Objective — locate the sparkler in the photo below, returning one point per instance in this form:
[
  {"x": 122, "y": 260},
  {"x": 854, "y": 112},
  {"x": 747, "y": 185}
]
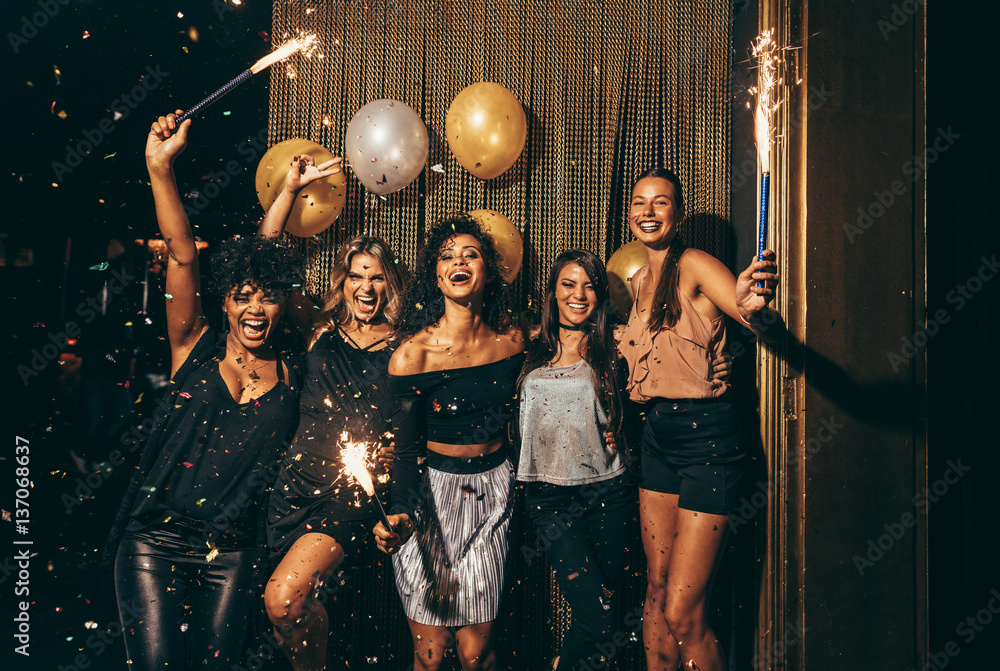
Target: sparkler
[
  {"x": 765, "y": 51},
  {"x": 355, "y": 458},
  {"x": 301, "y": 43}
]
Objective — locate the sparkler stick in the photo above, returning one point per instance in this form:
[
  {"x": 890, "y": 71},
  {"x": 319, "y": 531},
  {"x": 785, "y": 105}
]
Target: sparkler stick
[
  {"x": 281, "y": 53},
  {"x": 354, "y": 463},
  {"x": 765, "y": 51}
]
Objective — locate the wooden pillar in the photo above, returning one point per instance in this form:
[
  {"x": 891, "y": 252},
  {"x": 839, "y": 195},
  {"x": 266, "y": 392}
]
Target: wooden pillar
[{"x": 843, "y": 406}]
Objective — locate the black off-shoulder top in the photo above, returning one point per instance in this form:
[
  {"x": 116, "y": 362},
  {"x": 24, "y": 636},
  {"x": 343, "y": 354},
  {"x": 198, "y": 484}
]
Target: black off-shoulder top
[{"x": 457, "y": 406}]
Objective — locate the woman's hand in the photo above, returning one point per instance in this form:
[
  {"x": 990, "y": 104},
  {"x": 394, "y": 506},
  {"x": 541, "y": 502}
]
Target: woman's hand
[
  {"x": 720, "y": 369},
  {"x": 166, "y": 141},
  {"x": 751, "y": 299},
  {"x": 304, "y": 172},
  {"x": 390, "y": 540},
  {"x": 385, "y": 455}
]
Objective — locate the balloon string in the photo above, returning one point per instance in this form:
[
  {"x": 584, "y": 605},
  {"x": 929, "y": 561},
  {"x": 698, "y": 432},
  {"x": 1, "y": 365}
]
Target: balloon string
[{"x": 245, "y": 75}]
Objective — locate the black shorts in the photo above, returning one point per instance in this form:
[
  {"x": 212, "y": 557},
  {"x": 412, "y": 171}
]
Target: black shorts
[{"x": 693, "y": 448}]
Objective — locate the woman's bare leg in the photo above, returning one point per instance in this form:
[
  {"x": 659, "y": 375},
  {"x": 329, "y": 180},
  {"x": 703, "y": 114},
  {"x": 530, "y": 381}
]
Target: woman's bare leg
[
  {"x": 658, "y": 519},
  {"x": 475, "y": 647},
  {"x": 300, "y": 620},
  {"x": 429, "y": 644},
  {"x": 693, "y": 559}
]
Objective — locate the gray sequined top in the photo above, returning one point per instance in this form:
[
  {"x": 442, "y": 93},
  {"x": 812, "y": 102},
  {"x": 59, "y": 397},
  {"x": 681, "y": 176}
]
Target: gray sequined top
[{"x": 562, "y": 426}]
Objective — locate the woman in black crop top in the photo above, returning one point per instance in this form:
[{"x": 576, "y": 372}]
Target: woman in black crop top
[
  {"x": 186, "y": 543},
  {"x": 454, "y": 377},
  {"x": 317, "y": 515}
]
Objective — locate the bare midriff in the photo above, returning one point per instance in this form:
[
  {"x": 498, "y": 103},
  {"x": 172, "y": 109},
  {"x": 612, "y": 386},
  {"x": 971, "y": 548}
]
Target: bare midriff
[{"x": 466, "y": 451}]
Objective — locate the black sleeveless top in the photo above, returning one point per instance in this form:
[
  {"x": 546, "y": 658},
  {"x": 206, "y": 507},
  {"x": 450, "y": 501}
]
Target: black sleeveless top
[
  {"x": 345, "y": 390},
  {"x": 218, "y": 460}
]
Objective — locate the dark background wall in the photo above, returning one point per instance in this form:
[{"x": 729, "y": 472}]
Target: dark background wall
[{"x": 962, "y": 362}]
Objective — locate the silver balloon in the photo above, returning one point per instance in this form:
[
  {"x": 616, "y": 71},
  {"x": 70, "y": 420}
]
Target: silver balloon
[{"x": 386, "y": 145}]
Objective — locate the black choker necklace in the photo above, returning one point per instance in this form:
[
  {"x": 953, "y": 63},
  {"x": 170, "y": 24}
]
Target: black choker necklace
[{"x": 585, "y": 326}]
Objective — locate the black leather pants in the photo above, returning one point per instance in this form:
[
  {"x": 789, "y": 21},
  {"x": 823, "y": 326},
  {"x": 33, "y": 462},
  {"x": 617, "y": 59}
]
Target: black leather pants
[{"x": 185, "y": 612}]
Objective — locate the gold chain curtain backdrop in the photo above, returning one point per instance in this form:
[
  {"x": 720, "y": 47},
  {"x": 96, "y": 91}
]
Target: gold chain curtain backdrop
[{"x": 610, "y": 88}]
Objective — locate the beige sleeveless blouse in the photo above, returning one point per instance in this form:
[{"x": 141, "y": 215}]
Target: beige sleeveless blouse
[{"x": 674, "y": 362}]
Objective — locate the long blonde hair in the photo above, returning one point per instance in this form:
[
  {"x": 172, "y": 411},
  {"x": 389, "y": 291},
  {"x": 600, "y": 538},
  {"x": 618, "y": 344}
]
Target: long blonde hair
[{"x": 335, "y": 310}]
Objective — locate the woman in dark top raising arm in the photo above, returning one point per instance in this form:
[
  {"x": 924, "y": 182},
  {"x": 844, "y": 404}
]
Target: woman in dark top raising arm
[
  {"x": 187, "y": 540},
  {"x": 454, "y": 377}
]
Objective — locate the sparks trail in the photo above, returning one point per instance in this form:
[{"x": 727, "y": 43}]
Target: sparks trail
[{"x": 765, "y": 52}]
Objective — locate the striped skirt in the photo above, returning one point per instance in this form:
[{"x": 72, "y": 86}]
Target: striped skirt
[{"x": 450, "y": 573}]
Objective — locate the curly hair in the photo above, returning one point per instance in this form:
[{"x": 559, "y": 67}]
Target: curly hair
[
  {"x": 335, "y": 310},
  {"x": 423, "y": 304},
  {"x": 262, "y": 263}
]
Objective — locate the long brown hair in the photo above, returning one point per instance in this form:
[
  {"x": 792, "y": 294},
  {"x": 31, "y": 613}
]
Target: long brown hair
[
  {"x": 335, "y": 310},
  {"x": 598, "y": 348},
  {"x": 666, "y": 308}
]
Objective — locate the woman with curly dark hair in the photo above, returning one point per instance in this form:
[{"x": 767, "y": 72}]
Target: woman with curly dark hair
[
  {"x": 453, "y": 377},
  {"x": 315, "y": 521},
  {"x": 187, "y": 541}
]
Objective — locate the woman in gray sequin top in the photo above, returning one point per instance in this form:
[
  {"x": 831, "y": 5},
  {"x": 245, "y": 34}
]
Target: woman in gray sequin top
[{"x": 576, "y": 495}]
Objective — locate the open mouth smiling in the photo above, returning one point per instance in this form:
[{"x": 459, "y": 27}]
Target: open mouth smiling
[
  {"x": 254, "y": 328},
  {"x": 459, "y": 276},
  {"x": 649, "y": 226}
]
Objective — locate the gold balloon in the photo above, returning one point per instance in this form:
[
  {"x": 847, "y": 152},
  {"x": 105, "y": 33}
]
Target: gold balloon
[
  {"x": 507, "y": 239},
  {"x": 622, "y": 265},
  {"x": 486, "y": 129},
  {"x": 318, "y": 205}
]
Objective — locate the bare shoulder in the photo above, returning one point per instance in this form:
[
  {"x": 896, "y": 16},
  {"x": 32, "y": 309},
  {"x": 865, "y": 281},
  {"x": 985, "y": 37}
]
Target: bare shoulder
[
  {"x": 700, "y": 267},
  {"x": 695, "y": 260},
  {"x": 409, "y": 358}
]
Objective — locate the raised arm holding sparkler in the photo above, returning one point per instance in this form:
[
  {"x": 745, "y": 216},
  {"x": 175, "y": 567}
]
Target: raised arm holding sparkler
[{"x": 186, "y": 542}]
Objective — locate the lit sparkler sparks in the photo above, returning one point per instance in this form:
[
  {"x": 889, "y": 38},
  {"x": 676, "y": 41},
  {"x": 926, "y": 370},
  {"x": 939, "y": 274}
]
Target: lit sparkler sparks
[
  {"x": 765, "y": 53},
  {"x": 356, "y": 459},
  {"x": 305, "y": 44}
]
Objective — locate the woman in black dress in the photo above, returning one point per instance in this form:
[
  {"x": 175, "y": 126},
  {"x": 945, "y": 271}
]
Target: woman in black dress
[
  {"x": 317, "y": 513},
  {"x": 186, "y": 542}
]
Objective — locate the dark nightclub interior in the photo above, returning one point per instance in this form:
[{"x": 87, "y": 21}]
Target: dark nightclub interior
[{"x": 86, "y": 354}]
